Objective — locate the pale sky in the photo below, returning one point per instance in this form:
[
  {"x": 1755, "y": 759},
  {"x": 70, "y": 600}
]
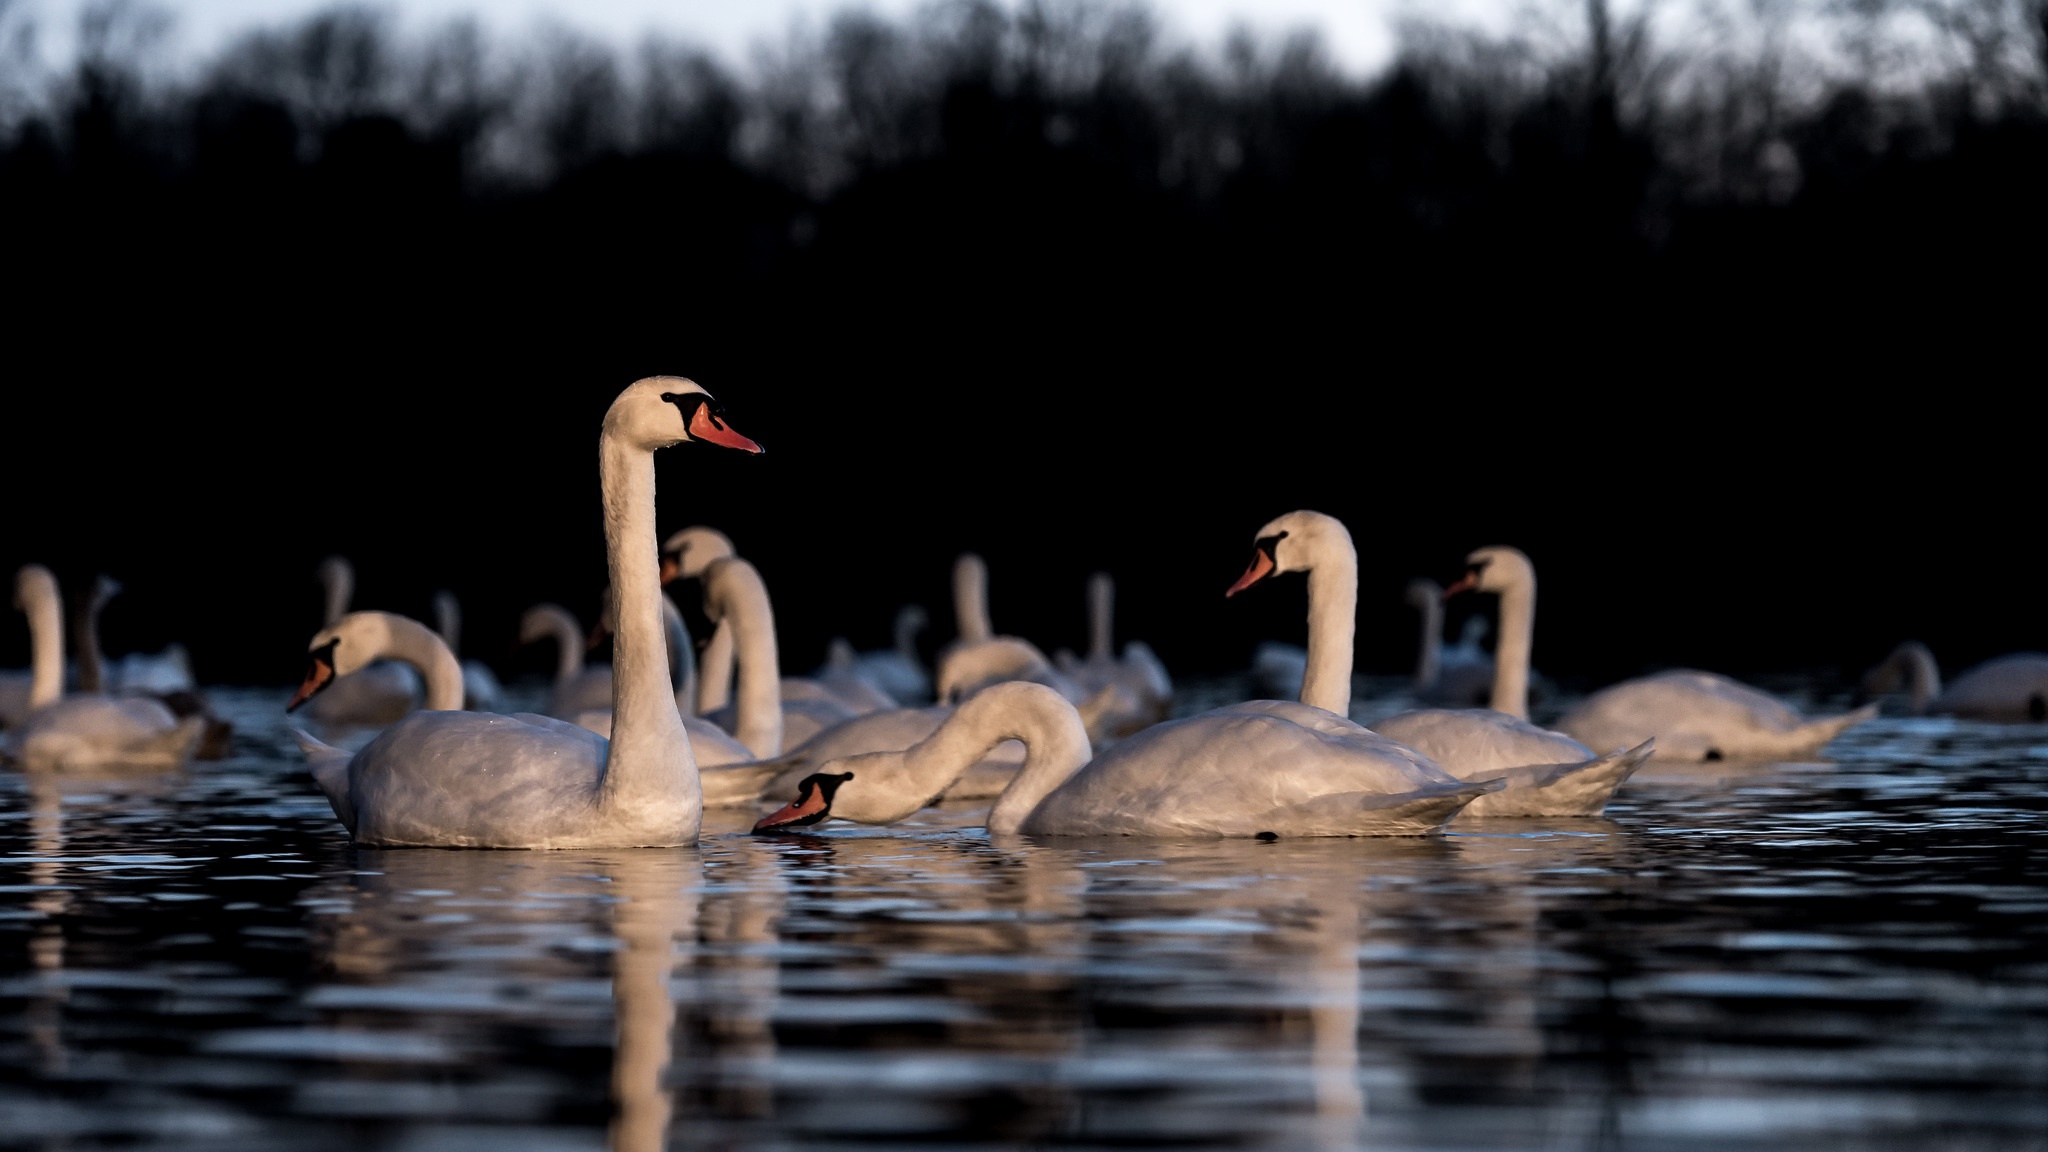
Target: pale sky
[{"x": 1358, "y": 32}]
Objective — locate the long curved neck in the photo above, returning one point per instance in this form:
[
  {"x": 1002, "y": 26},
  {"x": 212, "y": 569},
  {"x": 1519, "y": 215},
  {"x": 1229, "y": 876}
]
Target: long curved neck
[
  {"x": 92, "y": 672},
  {"x": 419, "y": 646},
  {"x": 682, "y": 655},
  {"x": 650, "y": 751},
  {"x": 340, "y": 582},
  {"x": 448, "y": 621},
  {"x": 1055, "y": 744},
  {"x": 909, "y": 622},
  {"x": 568, "y": 636},
  {"x": 1332, "y": 613},
  {"x": 1511, "y": 652},
  {"x": 1429, "y": 657},
  {"x": 734, "y": 593},
  {"x": 714, "y": 671},
  {"x": 46, "y": 648},
  {"x": 1101, "y": 613},
  {"x": 970, "y": 599}
]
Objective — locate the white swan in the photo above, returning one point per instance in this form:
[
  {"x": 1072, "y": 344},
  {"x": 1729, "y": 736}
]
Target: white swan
[
  {"x": 1263, "y": 767},
  {"x": 85, "y": 730},
  {"x": 2012, "y": 688},
  {"x": 1693, "y": 715},
  {"x": 713, "y": 746},
  {"x": 480, "y": 688},
  {"x": 480, "y": 780},
  {"x": 1147, "y": 689},
  {"x": 374, "y": 694},
  {"x": 1547, "y": 773},
  {"x": 897, "y": 670}
]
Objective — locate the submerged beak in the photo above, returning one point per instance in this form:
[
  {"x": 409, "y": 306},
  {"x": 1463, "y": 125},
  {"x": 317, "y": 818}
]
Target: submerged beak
[
  {"x": 710, "y": 429},
  {"x": 1465, "y": 583},
  {"x": 1262, "y": 566},
  {"x": 813, "y": 804},
  {"x": 319, "y": 674}
]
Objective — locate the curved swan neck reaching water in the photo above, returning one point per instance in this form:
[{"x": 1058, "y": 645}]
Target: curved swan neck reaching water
[
  {"x": 1427, "y": 597},
  {"x": 736, "y": 597},
  {"x": 1101, "y": 617},
  {"x": 970, "y": 599},
  {"x": 35, "y": 593},
  {"x": 649, "y": 755},
  {"x": 1055, "y": 743},
  {"x": 338, "y": 579}
]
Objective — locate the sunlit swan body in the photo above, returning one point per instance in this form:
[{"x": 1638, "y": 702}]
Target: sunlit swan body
[
  {"x": 1702, "y": 716},
  {"x": 87, "y": 730},
  {"x": 475, "y": 779},
  {"x": 373, "y": 695},
  {"x": 1267, "y": 768},
  {"x": 480, "y": 688},
  {"x": 2011, "y": 688},
  {"x": 1147, "y": 691}
]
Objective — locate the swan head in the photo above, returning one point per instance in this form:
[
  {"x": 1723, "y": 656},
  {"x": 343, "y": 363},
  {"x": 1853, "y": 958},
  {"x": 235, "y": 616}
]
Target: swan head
[
  {"x": 34, "y": 585},
  {"x": 686, "y": 554},
  {"x": 663, "y": 410},
  {"x": 813, "y": 803},
  {"x": 1290, "y": 543},
  {"x": 1495, "y": 569},
  {"x": 342, "y": 647}
]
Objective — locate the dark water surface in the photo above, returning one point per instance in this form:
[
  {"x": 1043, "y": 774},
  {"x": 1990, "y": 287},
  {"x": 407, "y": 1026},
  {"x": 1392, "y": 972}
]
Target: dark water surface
[{"x": 1850, "y": 954}]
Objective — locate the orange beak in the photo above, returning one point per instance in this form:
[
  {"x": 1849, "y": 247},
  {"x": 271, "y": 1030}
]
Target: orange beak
[
  {"x": 1262, "y": 567},
  {"x": 710, "y": 429},
  {"x": 670, "y": 569},
  {"x": 809, "y": 808},
  {"x": 319, "y": 674},
  {"x": 1465, "y": 583}
]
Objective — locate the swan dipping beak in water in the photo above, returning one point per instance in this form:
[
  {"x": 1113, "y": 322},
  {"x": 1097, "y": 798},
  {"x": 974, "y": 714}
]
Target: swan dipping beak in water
[{"x": 813, "y": 803}]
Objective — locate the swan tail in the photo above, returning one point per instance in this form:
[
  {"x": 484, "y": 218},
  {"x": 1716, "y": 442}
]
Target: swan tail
[
  {"x": 1416, "y": 813},
  {"x": 329, "y": 766},
  {"x": 1579, "y": 788},
  {"x": 1815, "y": 734}
]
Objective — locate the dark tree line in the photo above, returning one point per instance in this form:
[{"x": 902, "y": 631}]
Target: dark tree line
[{"x": 1694, "y": 313}]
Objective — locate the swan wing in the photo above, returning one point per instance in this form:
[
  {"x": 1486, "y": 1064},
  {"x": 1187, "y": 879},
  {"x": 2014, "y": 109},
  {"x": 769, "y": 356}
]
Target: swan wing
[
  {"x": 93, "y": 730},
  {"x": 2013, "y": 687},
  {"x": 1478, "y": 743},
  {"x": 475, "y": 780}
]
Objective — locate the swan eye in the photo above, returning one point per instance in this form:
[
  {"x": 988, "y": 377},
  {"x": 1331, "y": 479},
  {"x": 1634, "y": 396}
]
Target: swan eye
[{"x": 1269, "y": 545}]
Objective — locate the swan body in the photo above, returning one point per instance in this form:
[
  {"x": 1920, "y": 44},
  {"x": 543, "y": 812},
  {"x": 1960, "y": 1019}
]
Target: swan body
[
  {"x": 477, "y": 779},
  {"x": 1702, "y": 716},
  {"x": 87, "y": 730},
  {"x": 1544, "y": 773},
  {"x": 375, "y": 694},
  {"x": 1263, "y": 768},
  {"x": 164, "y": 677}
]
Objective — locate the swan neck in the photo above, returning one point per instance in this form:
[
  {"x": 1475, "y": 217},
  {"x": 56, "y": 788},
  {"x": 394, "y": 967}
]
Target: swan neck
[
  {"x": 1332, "y": 614},
  {"x": 92, "y": 672},
  {"x": 738, "y": 598},
  {"x": 340, "y": 586},
  {"x": 448, "y": 622},
  {"x": 569, "y": 642},
  {"x": 649, "y": 754},
  {"x": 1511, "y": 653},
  {"x": 1429, "y": 658},
  {"x": 714, "y": 671},
  {"x": 682, "y": 654},
  {"x": 970, "y": 600},
  {"x": 46, "y": 647},
  {"x": 1055, "y": 747},
  {"x": 908, "y": 625},
  {"x": 1101, "y": 616},
  {"x": 422, "y": 648}
]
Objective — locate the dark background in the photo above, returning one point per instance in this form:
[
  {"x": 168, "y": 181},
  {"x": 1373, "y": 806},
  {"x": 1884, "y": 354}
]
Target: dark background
[{"x": 1747, "y": 359}]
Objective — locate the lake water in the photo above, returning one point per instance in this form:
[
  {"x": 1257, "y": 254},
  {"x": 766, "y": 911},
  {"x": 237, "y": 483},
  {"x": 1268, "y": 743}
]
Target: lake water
[{"x": 1846, "y": 954}]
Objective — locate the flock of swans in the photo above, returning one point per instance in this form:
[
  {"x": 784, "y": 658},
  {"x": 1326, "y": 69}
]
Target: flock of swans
[{"x": 631, "y": 754}]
